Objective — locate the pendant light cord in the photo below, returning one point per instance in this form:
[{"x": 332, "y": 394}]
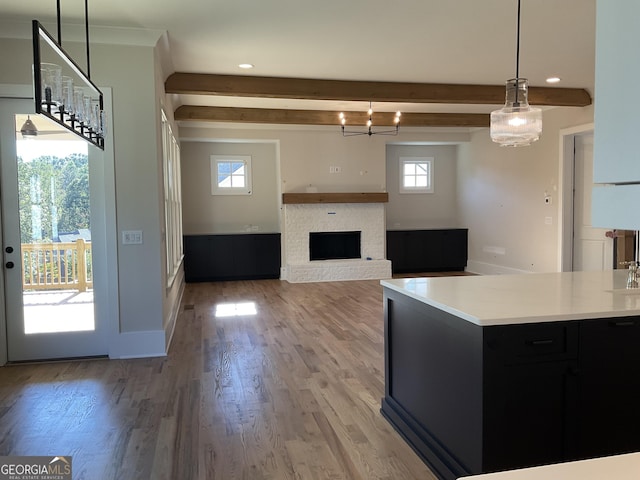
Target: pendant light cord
[
  {"x": 518, "y": 44},
  {"x": 517, "y": 103},
  {"x": 58, "y": 22},
  {"x": 86, "y": 30}
]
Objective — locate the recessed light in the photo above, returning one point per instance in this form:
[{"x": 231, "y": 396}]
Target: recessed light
[
  {"x": 246, "y": 66},
  {"x": 553, "y": 80}
]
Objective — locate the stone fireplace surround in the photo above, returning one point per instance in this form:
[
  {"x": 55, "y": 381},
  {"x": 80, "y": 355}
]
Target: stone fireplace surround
[{"x": 302, "y": 218}]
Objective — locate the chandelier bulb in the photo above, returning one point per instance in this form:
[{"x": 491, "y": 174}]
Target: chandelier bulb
[{"x": 369, "y": 124}]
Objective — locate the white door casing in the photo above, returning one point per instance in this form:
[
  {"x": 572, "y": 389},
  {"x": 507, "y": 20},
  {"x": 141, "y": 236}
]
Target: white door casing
[{"x": 592, "y": 249}]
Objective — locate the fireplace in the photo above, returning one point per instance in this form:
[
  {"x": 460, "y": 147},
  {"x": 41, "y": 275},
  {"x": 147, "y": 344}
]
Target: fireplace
[
  {"x": 364, "y": 260},
  {"x": 334, "y": 245}
]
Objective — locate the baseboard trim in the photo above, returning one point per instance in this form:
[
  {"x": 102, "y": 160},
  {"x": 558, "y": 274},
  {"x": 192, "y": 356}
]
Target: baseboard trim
[
  {"x": 482, "y": 268},
  {"x": 139, "y": 345},
  {"x": 170, "y": 327}
]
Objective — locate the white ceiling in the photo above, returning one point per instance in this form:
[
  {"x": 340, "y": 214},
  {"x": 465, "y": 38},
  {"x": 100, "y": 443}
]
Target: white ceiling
[{"x": 425, "y": 41}]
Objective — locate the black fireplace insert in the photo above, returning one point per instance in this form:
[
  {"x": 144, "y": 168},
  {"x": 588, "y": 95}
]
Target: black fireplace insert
[{"x": 334, "y": 245}]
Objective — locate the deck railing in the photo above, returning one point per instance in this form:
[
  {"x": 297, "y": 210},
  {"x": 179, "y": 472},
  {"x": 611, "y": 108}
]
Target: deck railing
[{"x": 57, "y": 266}]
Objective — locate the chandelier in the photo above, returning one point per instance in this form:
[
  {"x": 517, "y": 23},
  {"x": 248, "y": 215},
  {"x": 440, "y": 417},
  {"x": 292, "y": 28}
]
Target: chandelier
[
  {"x": 62, "y": 91},
  {"x": 516, "y": 124},
  {"x": 369, "y": 131}
]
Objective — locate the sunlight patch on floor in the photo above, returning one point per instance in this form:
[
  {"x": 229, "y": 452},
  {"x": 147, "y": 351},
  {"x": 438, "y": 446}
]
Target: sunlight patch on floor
[{"x": 236, "y": 309}]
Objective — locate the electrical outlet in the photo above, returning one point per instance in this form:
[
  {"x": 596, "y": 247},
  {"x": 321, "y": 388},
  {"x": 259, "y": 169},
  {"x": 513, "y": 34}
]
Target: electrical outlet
[{"x": 132, "y": 237}]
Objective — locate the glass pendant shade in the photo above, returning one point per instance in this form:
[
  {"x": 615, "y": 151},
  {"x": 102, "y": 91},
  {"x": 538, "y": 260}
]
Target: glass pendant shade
[
  {"x": 51, "y": 75},
  {"x": 516, "y": 124}
]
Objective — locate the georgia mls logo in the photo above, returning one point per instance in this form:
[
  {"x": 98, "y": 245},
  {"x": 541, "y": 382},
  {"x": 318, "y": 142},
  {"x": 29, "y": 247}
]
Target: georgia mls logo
[
  {"x": 58, "y": 465},
  {"x": 35, "y": 468}
]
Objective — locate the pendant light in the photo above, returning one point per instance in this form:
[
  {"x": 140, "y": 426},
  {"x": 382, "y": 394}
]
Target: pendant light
[
  {"x": 516, "y": 124},
  {"x": 29, "y": 129}
]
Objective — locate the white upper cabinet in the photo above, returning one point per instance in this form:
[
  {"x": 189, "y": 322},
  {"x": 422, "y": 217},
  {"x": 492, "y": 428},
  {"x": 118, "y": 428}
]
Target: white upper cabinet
[{"x": 617, "y": 92}]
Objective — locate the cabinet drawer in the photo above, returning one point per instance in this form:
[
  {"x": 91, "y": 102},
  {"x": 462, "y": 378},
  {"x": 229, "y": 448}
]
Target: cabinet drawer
[{"x": 533, "y": 342}]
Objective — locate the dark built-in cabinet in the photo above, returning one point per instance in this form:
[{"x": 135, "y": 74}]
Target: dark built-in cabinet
[
  {"x": 231, "y": 257},
  {"x": 427, "y": 250},
  {"x": 472, "y": 399}
]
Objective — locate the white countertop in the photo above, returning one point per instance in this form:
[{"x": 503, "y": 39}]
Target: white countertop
[
  {"x": 618, "y": 467},
  {"x": 528, "y": 298}
]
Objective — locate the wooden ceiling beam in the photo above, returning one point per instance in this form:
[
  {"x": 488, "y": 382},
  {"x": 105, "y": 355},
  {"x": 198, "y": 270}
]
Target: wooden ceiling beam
[
  {"x": 323, "y": 117},
  {"x": 344, "y": 90}
]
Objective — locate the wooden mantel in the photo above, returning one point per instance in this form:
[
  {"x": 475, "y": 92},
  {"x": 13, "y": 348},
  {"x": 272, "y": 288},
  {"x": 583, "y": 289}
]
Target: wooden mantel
[{"x": 347, "y": 197}]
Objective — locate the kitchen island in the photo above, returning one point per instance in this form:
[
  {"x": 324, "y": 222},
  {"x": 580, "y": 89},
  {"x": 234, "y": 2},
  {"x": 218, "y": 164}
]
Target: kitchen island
[{"x": 490, "y": 373}]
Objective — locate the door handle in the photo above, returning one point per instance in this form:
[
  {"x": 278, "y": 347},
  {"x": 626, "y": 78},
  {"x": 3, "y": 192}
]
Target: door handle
[{"x": 9, "y": 264}]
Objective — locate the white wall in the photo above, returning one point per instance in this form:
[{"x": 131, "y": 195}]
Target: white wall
[
  {"x": 129, "y": 71},
  {"x": 423, "y": 210},
  {"x": 306, "y": 153},
  {"x": 501, "y": 198},
  {"x": 204, "y": 213}
]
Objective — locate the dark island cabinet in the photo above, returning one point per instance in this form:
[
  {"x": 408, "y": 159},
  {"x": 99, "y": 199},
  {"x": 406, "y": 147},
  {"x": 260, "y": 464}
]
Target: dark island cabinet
[
  {"x": 427, "y": 250},
  {"x": 476, "y": 399},
  {"x": 609, "y": 382},
  {"x": 530, "y": 387},
  {"x": 231, "y": 257}
]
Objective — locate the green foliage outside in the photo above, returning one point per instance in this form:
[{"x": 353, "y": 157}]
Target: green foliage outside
[{"x": 53, "y": 190}]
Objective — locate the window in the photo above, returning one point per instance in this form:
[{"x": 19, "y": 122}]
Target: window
[
  {"x": 172, "y": 199},
  {"x": 230, "y": 175},
  {"x": 416, "y": 174}
]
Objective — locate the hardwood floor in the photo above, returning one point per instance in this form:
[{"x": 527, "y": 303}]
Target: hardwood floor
[{"x": 290, "y": 392}]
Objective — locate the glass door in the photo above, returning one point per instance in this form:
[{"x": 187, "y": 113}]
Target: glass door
[{"x": 46, "y": 233}]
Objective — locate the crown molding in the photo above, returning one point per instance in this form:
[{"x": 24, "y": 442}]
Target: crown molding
[{"x": 21, "y": 29}]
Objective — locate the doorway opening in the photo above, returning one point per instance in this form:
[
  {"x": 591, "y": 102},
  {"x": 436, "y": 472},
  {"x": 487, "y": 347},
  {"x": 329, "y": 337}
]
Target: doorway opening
[{"x": 581, "y": 246}]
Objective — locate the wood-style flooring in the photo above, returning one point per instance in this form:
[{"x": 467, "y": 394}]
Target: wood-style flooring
[{"x": 291, "y": 391}]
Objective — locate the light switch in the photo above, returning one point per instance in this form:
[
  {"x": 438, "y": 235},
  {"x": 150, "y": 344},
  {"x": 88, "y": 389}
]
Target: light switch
[{"x": 132, "y": 237}]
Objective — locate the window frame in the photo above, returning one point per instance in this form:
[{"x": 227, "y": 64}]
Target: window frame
[
  {"x": 172, "y": 199},
  {"x": 416, "y": 160},
  {"x": 216, "y": 189}
]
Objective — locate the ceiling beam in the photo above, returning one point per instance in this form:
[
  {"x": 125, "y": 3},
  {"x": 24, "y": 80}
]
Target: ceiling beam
[
  {"x": 344, "y": 90},
  {"x": 323, "y": 117}
]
